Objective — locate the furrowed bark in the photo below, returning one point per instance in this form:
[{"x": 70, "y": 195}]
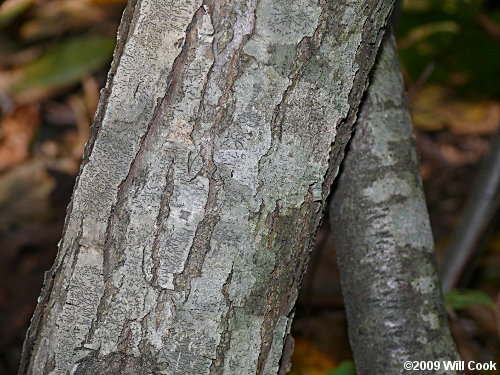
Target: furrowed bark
[
  {"x": 219, "y": 132},
  {"x": 383, "y": 238}
]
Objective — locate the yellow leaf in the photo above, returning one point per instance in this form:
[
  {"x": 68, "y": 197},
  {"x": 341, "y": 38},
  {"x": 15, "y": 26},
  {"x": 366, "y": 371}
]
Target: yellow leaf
[
  {"x": 307, "y": 359},
  {"x": 435, "y": 108},
  {"x": 474, "y": 117}
]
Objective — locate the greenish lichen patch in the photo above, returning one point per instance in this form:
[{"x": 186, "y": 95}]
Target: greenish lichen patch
[{"x": 282, "y": 58}]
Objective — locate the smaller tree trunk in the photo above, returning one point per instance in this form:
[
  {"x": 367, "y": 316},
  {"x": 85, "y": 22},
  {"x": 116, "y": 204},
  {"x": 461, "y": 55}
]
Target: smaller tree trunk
[{"x": 383, "y": 237}]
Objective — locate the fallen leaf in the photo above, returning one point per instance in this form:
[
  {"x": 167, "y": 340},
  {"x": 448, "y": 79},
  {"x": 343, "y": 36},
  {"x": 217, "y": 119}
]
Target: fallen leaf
[
  {"x": 25, "y": 195},
  {"x": 474, "y": 117},
  {"x": 56, "y": 17},
  {"x": 435, "y": 108},
  {"x": 308, "y": 359},
  {"x": 16, "y": 133},
  {"x": 11, "y": 8}
]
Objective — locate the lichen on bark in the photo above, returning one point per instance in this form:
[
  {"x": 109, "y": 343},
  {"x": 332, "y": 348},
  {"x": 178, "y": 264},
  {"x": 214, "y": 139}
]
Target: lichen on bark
[
  {"x": 383, "y": 239},
  {"x": 219, "y": 131}
]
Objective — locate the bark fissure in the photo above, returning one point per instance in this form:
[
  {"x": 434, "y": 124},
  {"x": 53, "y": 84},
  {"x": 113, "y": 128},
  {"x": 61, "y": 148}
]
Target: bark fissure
[
  {"x": 217, "y": 364},
  {"x": 201, "y": 241},
  {"x": 229, "y": 64},
  {"x": 173, "y": 78},
  {"x": 163, "y": 215}
]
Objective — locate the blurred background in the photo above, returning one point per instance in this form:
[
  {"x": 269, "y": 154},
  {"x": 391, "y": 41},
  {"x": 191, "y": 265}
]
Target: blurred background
[{"x": 54, "y": 55}]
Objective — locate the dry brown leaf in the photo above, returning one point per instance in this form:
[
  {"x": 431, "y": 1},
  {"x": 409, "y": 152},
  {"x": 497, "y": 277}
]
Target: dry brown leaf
[
  {"x": 434, "y": 108},
  {"x": 55, "y": 17},
  {"x": 16, "y": 133},
  {"x": 9, "y": 9},
  {"x": 38, "y": 94},
  {"x": 485, "y": 318},
  {"x": 24, "y": 194}
]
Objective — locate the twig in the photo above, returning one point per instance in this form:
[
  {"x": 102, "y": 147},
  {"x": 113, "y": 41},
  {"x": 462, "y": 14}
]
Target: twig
[{"x": 479, "y": 211}]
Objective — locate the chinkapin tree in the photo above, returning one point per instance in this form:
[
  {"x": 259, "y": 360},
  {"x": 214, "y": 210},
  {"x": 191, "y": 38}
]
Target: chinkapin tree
[{"x": 216, "y": 140}]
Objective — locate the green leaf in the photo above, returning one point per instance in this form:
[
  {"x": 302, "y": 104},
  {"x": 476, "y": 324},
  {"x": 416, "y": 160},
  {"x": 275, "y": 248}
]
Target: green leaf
[
  {"x": 460, "y": 299},
  {"x": 67, "y": 62},
  {"x": 443, "y": 37},
  {"x": 345, "y": 368},
  {"x": 12, "y": 8}
]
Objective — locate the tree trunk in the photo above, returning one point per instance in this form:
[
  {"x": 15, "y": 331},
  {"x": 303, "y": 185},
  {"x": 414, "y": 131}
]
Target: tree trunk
[
  {"x": 217, "y": 137},
  {"x": 383, "y": 239}
]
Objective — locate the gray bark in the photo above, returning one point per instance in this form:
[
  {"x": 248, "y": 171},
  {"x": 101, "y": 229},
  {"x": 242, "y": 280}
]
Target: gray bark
[
  {"x": 383, "y": 239},
  {"x": 217, "y": 137}
]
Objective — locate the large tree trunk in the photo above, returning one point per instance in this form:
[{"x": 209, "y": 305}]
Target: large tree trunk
[
  {"x": 218, "y": 134},
  {"x": 383, "y": 239}
]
